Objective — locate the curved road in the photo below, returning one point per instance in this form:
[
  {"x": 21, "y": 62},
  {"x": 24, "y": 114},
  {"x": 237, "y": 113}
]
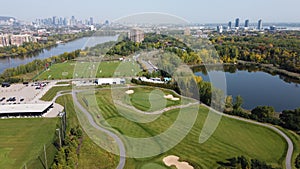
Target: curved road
[
  {"x": 289, "y": 154},
  {"x": 111, "y": 134}
]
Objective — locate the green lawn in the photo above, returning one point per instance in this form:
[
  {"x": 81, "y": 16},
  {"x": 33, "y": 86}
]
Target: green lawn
[
  {"x": 71, "y": 69},
  {"x": 22, "y": 140},
  {"x": 232, "y": 137}
]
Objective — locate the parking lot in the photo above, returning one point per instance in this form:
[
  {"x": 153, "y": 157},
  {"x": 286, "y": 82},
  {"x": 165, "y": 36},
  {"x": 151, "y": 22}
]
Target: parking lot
[{"x": 24, "y": 93}]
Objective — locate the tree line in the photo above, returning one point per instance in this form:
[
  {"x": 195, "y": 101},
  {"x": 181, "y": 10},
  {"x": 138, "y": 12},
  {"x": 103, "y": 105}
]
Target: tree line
[
  {"x": 10, "y": 75},
  {"x": 289, "y": 119},
  {"x": 241, "y": 162},
  {"x": 280, "y": 49}
]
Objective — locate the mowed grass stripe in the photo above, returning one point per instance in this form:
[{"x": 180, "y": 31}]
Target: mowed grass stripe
[{"x": 232, "y": 138}]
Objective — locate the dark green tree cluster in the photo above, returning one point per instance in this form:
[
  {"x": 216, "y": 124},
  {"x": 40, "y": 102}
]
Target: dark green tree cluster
[
  {"x": 291, "y": 119},
  {"x": 67, "y": 156},
  {"x": 280, "y": 49},
  {"x": 297, "y": 162},
  {"x": 242, "y": 162}
]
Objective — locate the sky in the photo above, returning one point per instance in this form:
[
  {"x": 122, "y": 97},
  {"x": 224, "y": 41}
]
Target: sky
[{"x": 195, "y": 11}]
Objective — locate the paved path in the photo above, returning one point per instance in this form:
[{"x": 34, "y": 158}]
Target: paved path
[
  {"x": 111, "y": 134},
  {"x": 289, "y": 154}
]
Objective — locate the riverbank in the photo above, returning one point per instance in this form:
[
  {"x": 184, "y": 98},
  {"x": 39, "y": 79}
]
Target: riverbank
[
  {"x": 39, "y": 47},
  {"x": 268, "y": 68}
]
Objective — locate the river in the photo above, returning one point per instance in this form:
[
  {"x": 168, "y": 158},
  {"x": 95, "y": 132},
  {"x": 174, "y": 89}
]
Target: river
[
  {"x": 258, "y": 88},
  {"x": 59, "y": 49}
]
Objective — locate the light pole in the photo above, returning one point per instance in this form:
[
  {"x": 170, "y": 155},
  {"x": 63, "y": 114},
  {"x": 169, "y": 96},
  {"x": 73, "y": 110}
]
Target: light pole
[{"x": 59, "y": 137}]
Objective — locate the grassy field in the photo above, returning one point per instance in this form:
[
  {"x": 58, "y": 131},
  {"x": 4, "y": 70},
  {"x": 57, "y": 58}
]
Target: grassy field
[
  {"x": 296, "y": 142},
  {"x": 71, "y": 69},
  {"x": 53, "y": 92},
  {"x": 22, "y": 140},
  {"x": 232, "y": 138}
]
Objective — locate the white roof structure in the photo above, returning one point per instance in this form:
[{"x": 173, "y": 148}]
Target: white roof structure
[{"x": 25, "y": 108}]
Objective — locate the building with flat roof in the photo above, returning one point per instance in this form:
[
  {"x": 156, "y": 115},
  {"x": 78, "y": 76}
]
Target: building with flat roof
[
  {"x": 110, "y": 81},
  {"x": 260, "y": 26},
  {"x": 247, "y": 24},
  {"x": 136, "y": 35},
  {"x": 237, "y": 23},
  {"x": 15, "y": 110}
]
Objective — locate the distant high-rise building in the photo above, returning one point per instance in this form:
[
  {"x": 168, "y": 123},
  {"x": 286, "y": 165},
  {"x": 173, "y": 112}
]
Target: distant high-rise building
[
  {"x": 220, "y": 29},
  {"x": 237, "y": 22},
  {"x": 229, "y": 25},
  {"x": 247, "y": 23},
  {"x": 91, "y": 21},
  {"x": 260, "y": 26},
  {"x": 136, "y": 35}
]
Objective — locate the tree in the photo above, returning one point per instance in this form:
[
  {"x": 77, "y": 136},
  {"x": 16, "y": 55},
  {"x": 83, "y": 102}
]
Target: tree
[
  {"x": 238, "y": 103},
  {"x": 263, "y": 112},
  {"x": 229, "y": 102},
  {"x": 297, "y": 162},
  {"x": 291, "y": 119}
]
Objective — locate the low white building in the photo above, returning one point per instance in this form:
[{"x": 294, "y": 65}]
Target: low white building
[
  {"x": 110, "y": 81},
  {"x": 151, "y": 80}
]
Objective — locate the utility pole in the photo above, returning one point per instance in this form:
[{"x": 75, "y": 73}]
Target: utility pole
[
  {"x": 46, "y": 163},
  {"x": 59, "y": 137}
]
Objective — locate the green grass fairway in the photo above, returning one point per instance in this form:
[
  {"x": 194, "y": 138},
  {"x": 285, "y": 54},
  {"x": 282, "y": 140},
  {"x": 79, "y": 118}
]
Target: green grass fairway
[
  {"x": 71, "y": 69},
  {"x": 232, "y": 137},
  {"x": 151, "y": 99},
  {"x": 22, "y": 140}
]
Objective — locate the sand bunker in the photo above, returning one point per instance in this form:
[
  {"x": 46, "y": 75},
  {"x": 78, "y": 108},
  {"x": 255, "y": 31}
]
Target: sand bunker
[
  {"x": 171, "y": 97},
  {"x": 174, "y": 161},
  {"x": 129, "y": 92}
]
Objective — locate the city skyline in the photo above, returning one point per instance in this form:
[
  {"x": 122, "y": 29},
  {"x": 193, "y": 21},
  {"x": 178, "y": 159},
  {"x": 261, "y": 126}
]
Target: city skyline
[{"x": 216, "y": 11}]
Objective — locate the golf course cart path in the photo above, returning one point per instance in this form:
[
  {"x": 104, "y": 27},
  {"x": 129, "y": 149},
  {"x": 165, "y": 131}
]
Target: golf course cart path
[
  {"x": 111, "y": 134},
  {"x": 289, "y": 154}
]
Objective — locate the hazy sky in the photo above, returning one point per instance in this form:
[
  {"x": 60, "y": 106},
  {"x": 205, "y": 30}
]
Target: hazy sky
[{"x": 196, "y": 11}]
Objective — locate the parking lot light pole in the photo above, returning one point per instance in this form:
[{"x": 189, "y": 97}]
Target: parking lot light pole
[{"x": 59, "y": 137}]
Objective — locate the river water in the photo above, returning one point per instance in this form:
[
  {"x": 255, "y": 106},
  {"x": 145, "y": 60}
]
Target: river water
[
  {"x": 59, "y": 49},
  {"x": 259, "y": 88}
]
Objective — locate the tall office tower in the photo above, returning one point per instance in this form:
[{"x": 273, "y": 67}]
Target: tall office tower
[
  {"x": 237, "y": 23},
  {"x": 229, "y": 25},
  {"x": 73, "y": 21},
  {"x": 247, "y": 23},
  {"x": 91, "y": 21},
  {"x": 260, "y": 26}
]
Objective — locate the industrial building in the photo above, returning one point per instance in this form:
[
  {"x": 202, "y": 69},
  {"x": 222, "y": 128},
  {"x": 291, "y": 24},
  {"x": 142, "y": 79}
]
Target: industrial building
[{"x": 21, "y": 110}]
